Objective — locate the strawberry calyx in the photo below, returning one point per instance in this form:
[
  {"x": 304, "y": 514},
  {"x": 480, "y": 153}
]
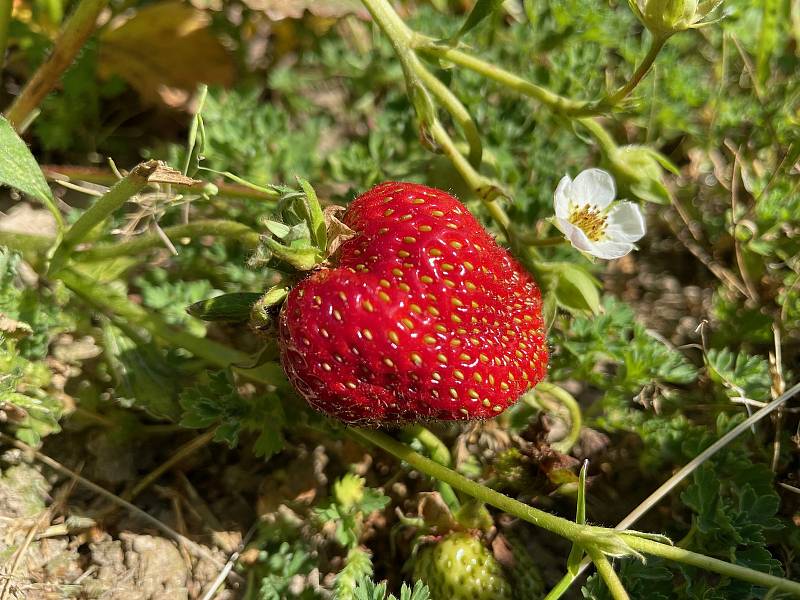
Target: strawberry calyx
[{"x": 299, "y": 238}]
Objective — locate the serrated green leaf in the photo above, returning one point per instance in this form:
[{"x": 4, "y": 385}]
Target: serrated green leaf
[
  {"x": 18, "y": 169},
  {"x": 481, "y": 10}
]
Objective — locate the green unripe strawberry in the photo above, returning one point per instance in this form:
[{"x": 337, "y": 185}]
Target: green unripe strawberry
[{"x": 460, "y": 567}]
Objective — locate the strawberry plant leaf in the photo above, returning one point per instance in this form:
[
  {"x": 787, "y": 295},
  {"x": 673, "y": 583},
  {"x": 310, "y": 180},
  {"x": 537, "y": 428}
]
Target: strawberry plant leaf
[
  {"x": 218, "y": 403},
  {"x": 481, "y": 10},
  {"x": 18, "y": 169}
]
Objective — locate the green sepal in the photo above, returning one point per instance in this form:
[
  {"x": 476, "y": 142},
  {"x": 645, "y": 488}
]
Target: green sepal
[
  {"x": 233, "y": 308},
  {"x": 574, "y": 288},
  {"x": 265, "y": 308},
  {"x": 299, "y": 257},
  {"x": 314, "y": 216}
]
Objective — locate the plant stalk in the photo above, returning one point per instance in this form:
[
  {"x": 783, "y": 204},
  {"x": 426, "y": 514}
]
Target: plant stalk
[
  {"x": 70, "y": 40},
  {"x": 97, "y": 295},
  {"x": 568, "y": 401},
  {"x": 439, "y": 453},
  {"x": 104, "y": 206},
  {"x": 559, "y": 104},
  {"x": 6, "y": 8},
  {"x": 610, "y": 577},
  {"x": 244, "y": 234},
  {"x": 656, "y": 44},
  {"x": 583, "y": 534}
]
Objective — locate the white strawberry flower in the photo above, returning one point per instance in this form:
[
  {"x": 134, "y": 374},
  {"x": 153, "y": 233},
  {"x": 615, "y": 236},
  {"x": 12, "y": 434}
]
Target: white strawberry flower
[{"x": 590, "y": 219}]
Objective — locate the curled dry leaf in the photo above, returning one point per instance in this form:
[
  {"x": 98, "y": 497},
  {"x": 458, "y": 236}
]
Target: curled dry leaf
[
  {"x": 164, "y": 51},
  {"x": 277, "y": 10}
]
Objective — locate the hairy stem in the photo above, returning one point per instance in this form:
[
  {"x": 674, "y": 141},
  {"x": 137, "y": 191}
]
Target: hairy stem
[
  {"x": 401, "y": 38},
  {"x": 244, "y": 234},
  {"x": 656, "y": 44},
  {"x": 608, "y": 574},
  {"x": 439, "y": 453},
  {"x": 99, "y": 296},
  {"x": 568, "y": 401},
  {"x": 457, "y": 110},
  {"x": 118, "y": 195},
  {"x": 585, "y": 535},
  {"x": 73, "y": 36},
  {"x": 475, "y": 180},
  {"x": 505, "y": 78}
]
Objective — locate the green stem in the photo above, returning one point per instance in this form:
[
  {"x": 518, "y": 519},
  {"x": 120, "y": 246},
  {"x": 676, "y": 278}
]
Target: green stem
[
  {"x": 507, "y": 79},
  {"x": 608, "y": 574},
  {"x": 561, "y": 587},
  {"x": 401, "y": 38},
  {"x": 6, "y": 8},
  {"x": 585, "y": 535},
  {"x": 457, "y": 110},
  {"x": 232, "y": 229},
  {"x": 556, "y": 240},
  {"x": 475, "y": 180},
  {"x": 439, "y": 453},
  {"x": 99, "y": 296},
  {"x": 118, "y": 195},
  {"x": 73, "y": 36},
  {"x": 436, "y": 448},
  {"x": 599, "y": 133},
  {"x": 104, "y": 177},
  {"x": 656, "y": 43},
  {"x": 711, "y": 564},
  {"x": 568, "y": 401}
]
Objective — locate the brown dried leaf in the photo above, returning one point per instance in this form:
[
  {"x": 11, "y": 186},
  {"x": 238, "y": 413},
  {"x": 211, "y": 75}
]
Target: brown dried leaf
[
  {"x": 277, "y": 10},
  {"x": 16, "y": 330},
  {"x": 165, "y": 174},
  {"x": 164, "y": 51}
]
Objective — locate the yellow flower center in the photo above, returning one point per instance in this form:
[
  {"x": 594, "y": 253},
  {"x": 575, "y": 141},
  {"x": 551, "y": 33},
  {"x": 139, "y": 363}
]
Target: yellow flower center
[{"x": 590, "y": 219}]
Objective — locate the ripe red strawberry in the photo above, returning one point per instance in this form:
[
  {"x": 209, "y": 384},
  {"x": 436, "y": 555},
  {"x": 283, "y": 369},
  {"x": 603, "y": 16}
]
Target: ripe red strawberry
[{"x": 425, "y": 316}]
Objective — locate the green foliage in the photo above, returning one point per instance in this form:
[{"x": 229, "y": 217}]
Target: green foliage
[
  {"x": 357, "y": 569},
  {"x": 330, "y": 106},
  {"x": 257, "y": 140},
  {"x": 171, "y": 297},
  {"x": 217, "y": 403},
  {"x": 741, "y": 375},
  {"x": 615, "y": 336},
  {"x": 277, "y": 569},
  {"x": 367, "y": 589},
  {"x": 26, "y": 329},
  {"x": 18, "y": 169},
  {"x": 352, "y": 501}
]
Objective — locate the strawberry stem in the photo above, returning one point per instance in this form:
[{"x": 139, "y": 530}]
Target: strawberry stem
[
  {"x": 586, "y": 535},
  {"x": 568, "y": 401},
  {"x": 439, "y": 453},
  {"x": 608, "y": 574}
]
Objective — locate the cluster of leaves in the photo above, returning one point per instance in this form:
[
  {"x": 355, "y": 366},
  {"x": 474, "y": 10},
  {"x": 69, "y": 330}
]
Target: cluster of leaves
[
  {"x": 26, "y": 397},
  {"x": 217, "y": 403}
]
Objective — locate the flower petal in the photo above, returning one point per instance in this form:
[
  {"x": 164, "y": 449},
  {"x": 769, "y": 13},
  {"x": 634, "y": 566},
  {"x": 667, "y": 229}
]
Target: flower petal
[
  {"x": 561, "y": 197},
  {"x": 575, "y": 235},
  {"x": 593, "y": 186},
  {"x": 625, "y": 223},
  {"x": 609, "y": 250}
]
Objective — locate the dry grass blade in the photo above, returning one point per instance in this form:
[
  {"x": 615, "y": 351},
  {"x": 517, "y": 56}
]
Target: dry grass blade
[
  {"x": 195, "y": 549},
  {"x": 692, "y": 465}
]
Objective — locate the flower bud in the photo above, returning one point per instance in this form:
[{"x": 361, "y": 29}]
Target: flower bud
[
  {"x": 640, "y": 168},
  {"x": 666, "y": 17}
]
